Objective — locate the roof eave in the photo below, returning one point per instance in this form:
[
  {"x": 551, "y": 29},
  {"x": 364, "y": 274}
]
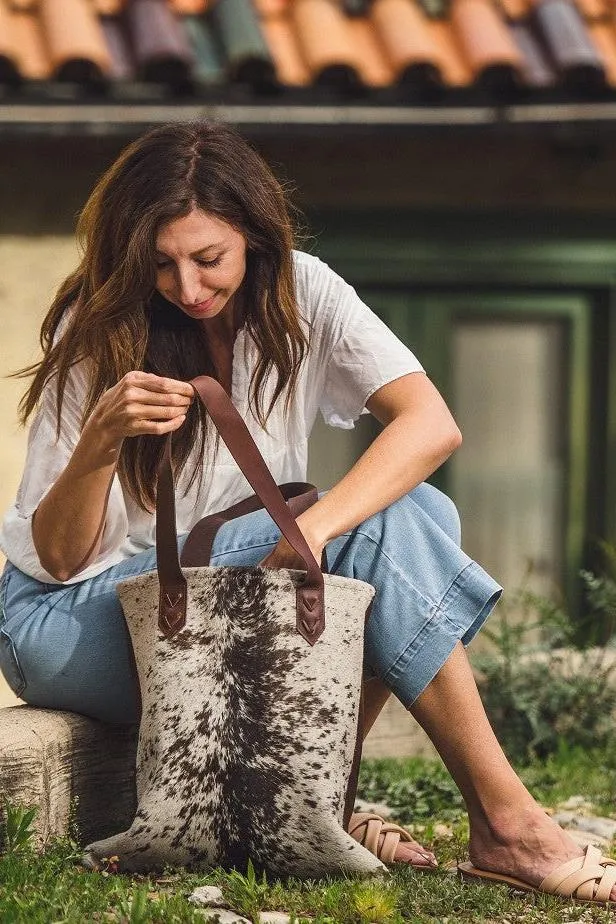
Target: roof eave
[{"x": 115, "y": 119}]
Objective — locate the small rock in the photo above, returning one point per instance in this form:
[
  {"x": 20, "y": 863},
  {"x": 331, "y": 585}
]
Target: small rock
[
  {"x": 442, "y": 830},
  {"x": 604, "y": 828},
  {"x": 576, "y": 803},
  {"x": 222, "y": 916},
  {"x": 208, "y": 895},
  {"x": 585, "y": 837},
  {"x": 274, "y": 917},
  {"x": 564, "y": 819},
  {"x": 376, "y": 808}
]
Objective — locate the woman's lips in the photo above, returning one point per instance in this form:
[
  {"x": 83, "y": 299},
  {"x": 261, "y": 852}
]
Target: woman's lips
[{"x": 200, "y": 306}]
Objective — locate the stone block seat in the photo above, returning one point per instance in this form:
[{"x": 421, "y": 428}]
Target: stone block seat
[
  {"x": 80, "y": 773},
  {"x": 77, "y": 771}
]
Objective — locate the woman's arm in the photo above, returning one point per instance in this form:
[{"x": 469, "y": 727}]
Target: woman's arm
[
  {"x": 419, "y": 434},
  {"x": 68, "y": 524}
]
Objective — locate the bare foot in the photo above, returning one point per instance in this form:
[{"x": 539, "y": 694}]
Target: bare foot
[
  {"x": 524, "y": 843},
  {"x": 414, "y": 854},
  {"x": 365, "y": 827}
]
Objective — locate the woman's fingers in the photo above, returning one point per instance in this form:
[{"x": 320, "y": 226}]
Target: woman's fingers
[
  {"x": 142, "y": 403},
  {"x": 157, "y": 384},
  {"x": 154, "y": 389},
  {"x": 156, "y": 427}
]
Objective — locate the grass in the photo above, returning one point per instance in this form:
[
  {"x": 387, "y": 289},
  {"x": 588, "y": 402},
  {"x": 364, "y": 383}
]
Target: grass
[{"x": 51, "y": 887}]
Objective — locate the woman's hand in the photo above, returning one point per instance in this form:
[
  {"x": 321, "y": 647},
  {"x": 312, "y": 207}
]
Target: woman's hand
[
  {"x": 285, "y": 556},
  {"x": 141, "y": 403}
]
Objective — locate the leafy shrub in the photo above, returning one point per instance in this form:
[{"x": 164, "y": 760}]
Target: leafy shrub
[
  {"x": 415, "y": 790},
  {"x": 600, "y": 591},
  {"x": 538, "y": 688}
]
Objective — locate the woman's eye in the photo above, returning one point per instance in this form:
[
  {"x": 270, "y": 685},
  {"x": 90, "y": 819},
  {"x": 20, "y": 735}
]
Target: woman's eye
[{"x": 213, "y": 262}]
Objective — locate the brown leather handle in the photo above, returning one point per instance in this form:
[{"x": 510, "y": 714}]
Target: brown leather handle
[
  {"x": 172, "y": 600},
  {"x": 197, "y": 549}
]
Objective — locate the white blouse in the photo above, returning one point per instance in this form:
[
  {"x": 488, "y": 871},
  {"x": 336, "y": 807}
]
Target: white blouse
[{"x": 352, "y": 354}]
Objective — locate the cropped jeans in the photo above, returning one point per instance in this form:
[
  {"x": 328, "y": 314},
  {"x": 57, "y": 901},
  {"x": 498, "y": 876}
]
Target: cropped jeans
[{"x": 67, "y": 646}]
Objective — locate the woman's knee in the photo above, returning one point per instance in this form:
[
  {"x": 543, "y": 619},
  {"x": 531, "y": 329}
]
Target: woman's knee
[{"x": 440, "y": 508}]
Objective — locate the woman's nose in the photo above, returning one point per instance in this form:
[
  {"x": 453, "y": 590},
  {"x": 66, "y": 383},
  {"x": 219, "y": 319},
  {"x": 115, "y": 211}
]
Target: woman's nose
[{"x": 189, "y": 285}]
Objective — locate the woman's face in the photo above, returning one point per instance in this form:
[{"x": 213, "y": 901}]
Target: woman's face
[{"x": 200, "y": 263}]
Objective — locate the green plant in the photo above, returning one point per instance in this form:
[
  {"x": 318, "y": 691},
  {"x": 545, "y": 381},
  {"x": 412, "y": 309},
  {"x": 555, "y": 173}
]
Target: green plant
[
  {"x": 537, "y": 687},
  {"x": 374, "y": 903},
  {"x": 134, "y": 909},
  {"x": 600, "y": 594},
  {"x": 415, "y": 790},
  {"x": 17, "y": 832},
  {"x": 246, "y": 894}
]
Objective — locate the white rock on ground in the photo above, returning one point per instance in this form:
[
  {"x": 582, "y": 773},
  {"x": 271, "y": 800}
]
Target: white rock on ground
[
  {"x": 576, "y": 803},
  {"x": 594, "y": 824},
  {"x": 222, "y": 916},
  {"x": 585, "y": 837},
  {"x": 208, "y": 895},
  {"x": 274, "y": 917}
]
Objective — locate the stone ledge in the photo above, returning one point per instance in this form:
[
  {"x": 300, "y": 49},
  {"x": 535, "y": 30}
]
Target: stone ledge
[
  {"x": 73, "y": 768},
  {"x": 77, "y": 770}
]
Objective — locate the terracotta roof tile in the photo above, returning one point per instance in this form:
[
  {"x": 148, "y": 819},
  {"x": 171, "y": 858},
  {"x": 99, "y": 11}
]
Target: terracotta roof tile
[
  {"x": 21, "y": 4},
  {"x": 515, "y": 9},
  {"x": 410, "y": 46},
  {"x": 9, "y": 60},
  {"x": 455, "y": 68},
  {"x": 375, "y": 69},
  {"x": 604, "y": 38},
  {"x": 485, "y": 39},
  {"x": 267, "y": 8},
  {"x": 363, "y": 45},
  {"x": 79, "y": 52},
  {"x": 34, "y": 60},
  {"x": 109, "y": 7},
  {"x": 594, "y": 10},
  {"x": 189, "y": 7},
  {"x": 291, "y": 69},
  {"x": 324, "y": 37}
]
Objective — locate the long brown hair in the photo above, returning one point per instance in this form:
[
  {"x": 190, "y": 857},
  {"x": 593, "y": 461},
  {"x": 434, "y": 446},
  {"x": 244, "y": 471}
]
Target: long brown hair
[{"x": 118, "y": 322}]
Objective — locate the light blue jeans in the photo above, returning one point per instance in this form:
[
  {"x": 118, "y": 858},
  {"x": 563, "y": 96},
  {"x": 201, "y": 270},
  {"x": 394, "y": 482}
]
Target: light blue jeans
[{"x": 67, "y": 646}]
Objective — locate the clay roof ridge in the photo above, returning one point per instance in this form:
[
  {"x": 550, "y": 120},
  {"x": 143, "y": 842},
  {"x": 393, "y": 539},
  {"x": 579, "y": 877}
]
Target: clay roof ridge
[{"x": 568, "y": 44}]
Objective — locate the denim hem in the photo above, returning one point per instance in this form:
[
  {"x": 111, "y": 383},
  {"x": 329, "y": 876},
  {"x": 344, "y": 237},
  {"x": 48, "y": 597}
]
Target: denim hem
[{"x": 465, "y": 606}]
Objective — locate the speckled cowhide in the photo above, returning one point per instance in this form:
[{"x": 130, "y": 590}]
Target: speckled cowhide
[{"x": 250, "y": 682}]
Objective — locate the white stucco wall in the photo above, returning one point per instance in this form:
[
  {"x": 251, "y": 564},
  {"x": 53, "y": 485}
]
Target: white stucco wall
[{"x": 31, "y": 269}]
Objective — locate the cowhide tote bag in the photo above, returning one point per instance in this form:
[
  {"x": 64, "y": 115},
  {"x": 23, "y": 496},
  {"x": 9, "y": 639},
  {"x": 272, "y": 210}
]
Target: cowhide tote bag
[{"x": 250, "y": 683}]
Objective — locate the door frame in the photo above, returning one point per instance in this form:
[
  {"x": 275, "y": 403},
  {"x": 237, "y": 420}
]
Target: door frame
[{"x": 575, "y": 258}]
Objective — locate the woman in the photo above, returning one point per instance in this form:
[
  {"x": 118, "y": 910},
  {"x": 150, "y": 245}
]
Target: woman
[{"x": 188, "y": 268}]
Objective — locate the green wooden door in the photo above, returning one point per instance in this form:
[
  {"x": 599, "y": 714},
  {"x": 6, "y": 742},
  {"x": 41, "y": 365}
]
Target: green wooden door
[{"x": 514, "y": 368}]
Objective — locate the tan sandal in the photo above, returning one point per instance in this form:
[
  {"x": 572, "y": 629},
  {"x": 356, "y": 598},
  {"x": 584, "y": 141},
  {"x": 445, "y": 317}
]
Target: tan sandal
[
  {"x": 589, "y": 878},
  {"x": 381, "y": 837}
]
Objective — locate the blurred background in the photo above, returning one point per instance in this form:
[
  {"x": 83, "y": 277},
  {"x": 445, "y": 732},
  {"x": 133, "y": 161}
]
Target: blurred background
[{"x": 454, "y": 161}]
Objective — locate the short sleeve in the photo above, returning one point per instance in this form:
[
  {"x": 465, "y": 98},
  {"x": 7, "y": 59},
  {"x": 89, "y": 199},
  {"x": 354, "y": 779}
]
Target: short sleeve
[
  {"x": 47, "y": 456},
  {"x": 358, "y": 352}
]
